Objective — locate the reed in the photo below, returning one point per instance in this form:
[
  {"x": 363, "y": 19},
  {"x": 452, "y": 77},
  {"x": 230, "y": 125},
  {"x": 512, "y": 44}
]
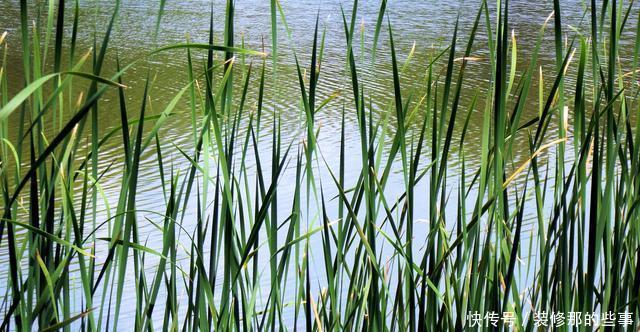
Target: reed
[{"x": 236, "y": 253}]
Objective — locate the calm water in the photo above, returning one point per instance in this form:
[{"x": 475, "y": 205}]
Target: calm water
[{"x": 426, "y": 24}]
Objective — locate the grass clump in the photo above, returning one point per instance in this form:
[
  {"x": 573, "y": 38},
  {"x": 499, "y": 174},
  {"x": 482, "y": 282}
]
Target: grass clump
[{"x": 232, "y": 248}]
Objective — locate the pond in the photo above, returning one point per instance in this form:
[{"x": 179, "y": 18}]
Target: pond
[{"x": 422, "y": 35}]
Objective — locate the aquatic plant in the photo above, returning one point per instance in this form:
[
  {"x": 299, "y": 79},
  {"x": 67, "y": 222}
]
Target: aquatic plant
[{"x": 246, "y": 263}]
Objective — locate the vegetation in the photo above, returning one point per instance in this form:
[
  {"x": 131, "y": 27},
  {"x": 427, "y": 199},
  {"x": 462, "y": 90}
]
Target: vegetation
[{"x": 242, "y": 258}]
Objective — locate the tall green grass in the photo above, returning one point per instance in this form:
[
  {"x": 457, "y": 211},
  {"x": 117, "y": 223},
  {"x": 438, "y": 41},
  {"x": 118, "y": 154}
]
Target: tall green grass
[{"x": 244, "y": 257}]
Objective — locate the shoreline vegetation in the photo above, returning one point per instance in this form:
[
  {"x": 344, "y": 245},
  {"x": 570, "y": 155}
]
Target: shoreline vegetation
[{"x": 234, "y": 254}]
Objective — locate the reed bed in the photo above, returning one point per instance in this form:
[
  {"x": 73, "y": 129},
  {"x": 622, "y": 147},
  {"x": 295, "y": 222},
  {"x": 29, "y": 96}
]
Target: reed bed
[{"x": 236, "y": 254}]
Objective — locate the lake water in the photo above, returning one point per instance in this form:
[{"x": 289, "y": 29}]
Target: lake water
[{"x": 426, "y": 25}]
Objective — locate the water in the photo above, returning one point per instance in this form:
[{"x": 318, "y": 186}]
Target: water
[{"x": 425, "y": 25}]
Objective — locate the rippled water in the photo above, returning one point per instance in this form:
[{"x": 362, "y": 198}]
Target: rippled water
[{"x": 425, "y": 25}]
